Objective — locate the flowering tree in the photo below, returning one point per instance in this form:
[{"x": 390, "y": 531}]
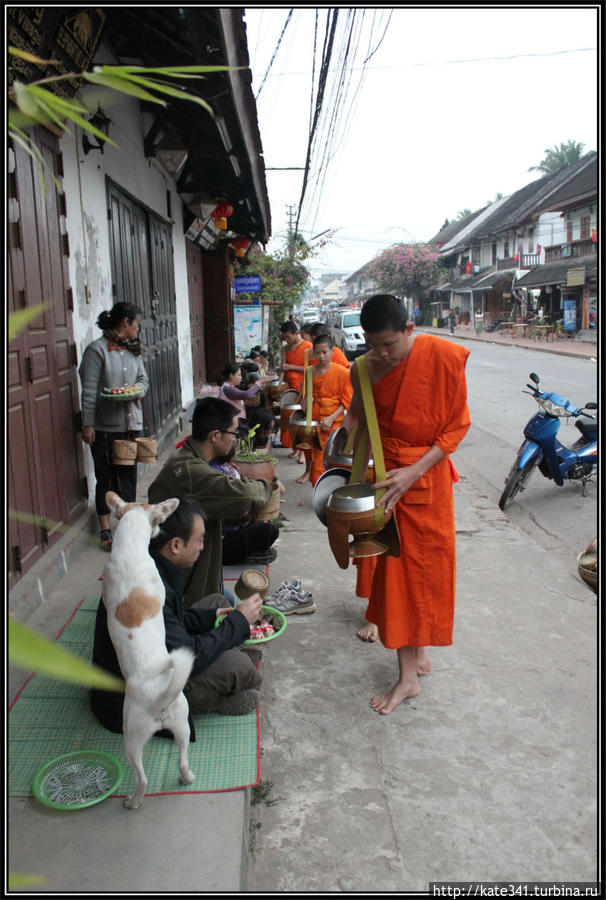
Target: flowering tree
[
  {"x": 409, "y": 270},
  {"x": 283, "y": 281}
]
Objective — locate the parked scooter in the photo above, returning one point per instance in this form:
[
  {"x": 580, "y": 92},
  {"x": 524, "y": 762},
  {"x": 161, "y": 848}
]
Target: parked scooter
[{"x": 542, "y": 448}]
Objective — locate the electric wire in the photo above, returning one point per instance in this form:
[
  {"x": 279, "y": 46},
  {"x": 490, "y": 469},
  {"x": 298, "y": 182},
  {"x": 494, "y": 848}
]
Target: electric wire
[{"x": 275, "y": 53}]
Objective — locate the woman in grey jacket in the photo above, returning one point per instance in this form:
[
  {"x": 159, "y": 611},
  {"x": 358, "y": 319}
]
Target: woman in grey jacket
[{"x": 112, "y": 361}]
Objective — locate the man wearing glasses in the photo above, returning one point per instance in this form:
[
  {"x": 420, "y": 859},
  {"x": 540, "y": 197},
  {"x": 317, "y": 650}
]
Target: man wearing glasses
[{"x": 188, "y": 473}]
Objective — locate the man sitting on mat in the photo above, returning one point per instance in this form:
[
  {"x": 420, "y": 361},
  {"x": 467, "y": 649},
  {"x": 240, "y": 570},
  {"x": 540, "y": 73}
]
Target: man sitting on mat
[{"x": 223, "y": 679}]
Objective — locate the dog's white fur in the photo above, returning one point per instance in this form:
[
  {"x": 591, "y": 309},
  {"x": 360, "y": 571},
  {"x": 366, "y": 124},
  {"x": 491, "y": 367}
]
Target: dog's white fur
[{"x": 133, "y": 594}]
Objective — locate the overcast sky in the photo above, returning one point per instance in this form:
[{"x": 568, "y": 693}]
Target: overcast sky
[{"x": 454, "y": 106}]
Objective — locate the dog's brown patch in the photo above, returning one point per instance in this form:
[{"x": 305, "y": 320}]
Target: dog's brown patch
[{"x": 139, "y": 605}]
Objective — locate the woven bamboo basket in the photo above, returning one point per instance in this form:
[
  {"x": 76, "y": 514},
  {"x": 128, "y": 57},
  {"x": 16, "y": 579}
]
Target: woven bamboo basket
[
  {"x": 587, "y": 564},
  {"x": 124, "y": 453},
  {"x": 271, "y": 509},
  {"x": 147, "y": 449},
  {"x": 251, "y": 581}
]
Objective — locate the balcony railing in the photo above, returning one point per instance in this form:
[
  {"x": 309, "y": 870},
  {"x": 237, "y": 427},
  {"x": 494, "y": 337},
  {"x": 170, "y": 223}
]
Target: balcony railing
[
  {"x": 530, "y": 260},
  {"x": 569, "y": 251},
  {"x": 508, "y": 263}
]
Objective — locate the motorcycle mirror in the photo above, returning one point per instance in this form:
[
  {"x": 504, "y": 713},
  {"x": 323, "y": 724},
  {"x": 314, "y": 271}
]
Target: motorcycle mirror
[
  {"x": 591, "y": 405},
  {"x": 534, "y": 377}
]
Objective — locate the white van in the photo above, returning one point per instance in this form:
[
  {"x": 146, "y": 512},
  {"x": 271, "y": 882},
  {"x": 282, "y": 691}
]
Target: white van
[{"x": 347, "y": 332}]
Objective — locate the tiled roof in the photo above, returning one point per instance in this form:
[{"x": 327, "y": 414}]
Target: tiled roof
[
  {"x": 447, "y": 232},
  {"x": 529, "y": 200},
  {"x": 583, "y": 185},
  {"x": 555, "y": 273}
]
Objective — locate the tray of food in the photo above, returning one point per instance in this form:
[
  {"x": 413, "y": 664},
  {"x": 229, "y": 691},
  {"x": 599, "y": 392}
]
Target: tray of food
[
  {"x": 270, "y": 624},
  {"x": 127, "y": 392}
]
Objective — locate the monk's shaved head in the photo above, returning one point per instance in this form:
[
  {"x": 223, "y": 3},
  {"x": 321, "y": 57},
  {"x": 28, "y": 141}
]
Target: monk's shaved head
[{"x": 383, "y": 312}]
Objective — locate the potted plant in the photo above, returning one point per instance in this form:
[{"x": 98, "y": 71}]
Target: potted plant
[{"x": 253, "y": 463}]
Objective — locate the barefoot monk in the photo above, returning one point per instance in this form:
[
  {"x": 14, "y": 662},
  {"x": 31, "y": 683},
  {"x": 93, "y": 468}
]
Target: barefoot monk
[{"x": 420, "y": 395}]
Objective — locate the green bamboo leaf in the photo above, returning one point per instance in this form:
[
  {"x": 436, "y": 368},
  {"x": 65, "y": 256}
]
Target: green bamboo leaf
[
  {"x": 173, "y": 71},
  {"x": 57, "y": 102},
  {"x": 19, "y": 320},
  {"x": 15, "y": 880},
  {"x": 181, "y": 93},
  {"x": 25, "y": 100},
  {"x": 50, "y": 115},
  {"x": 123, "y": 85},
  {"x": 29, "y": 650},
  {"x": 29, "y": 57},
  {"x": 24, "y": 141}
]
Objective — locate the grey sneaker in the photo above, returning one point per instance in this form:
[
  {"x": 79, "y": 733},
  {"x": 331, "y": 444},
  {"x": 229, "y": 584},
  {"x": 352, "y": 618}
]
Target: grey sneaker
[{"x": 292, "y": 603}]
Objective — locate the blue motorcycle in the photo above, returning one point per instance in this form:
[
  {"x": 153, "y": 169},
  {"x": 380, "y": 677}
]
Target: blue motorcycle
[{"x": 542, "y": 448}]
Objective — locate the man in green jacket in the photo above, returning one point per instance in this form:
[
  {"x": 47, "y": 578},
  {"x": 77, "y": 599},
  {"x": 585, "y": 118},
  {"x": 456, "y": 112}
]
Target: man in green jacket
[{"x": 188, "y": 473}]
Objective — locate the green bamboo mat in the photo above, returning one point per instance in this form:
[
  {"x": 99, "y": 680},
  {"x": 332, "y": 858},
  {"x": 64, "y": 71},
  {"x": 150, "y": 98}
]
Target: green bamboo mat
[{"x": 51, "y": 717}]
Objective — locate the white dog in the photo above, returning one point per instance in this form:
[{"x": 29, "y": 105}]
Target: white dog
[{"x": 133, "y": 594}]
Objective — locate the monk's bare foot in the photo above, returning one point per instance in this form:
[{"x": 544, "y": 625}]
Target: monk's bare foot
[
  {"x": 293, "y": 454},
  {"x": 301, "y": 459},
  {"x": 302, "y": 478},
  {"x": 369, "y": 632},
  {"x": 386, "y": 703},
  {"x": 423, "y": 662}
]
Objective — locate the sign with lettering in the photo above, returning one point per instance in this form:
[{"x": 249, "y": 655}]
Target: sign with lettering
[
  {"x": 575, "y": 277},
  {"x": 248, "y": 328},
  {"x": 246, "y": 283},
  {"x": 570, "y": 315},
  {"x": 66, "y": 35}
]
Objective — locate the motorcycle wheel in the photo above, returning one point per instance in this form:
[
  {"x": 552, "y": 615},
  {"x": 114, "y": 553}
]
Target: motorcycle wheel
[{"x": 517, "y": 480}]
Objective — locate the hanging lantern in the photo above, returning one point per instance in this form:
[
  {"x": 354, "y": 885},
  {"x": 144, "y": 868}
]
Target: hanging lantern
[
  {"x": 220, "y": 215},
  {"x": 594, "y": 235},
  {"x": 468, "y": 268},
  {"x": 241, "y": 245}
]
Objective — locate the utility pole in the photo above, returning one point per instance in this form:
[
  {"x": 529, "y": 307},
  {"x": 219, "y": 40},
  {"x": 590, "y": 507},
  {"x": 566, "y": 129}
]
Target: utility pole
[{"x": 290, "y": 238}]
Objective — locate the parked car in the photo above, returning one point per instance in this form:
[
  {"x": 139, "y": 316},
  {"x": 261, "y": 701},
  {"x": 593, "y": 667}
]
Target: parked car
[
  {"x": 309, "y": 315},
  {"x": 347, "y": 332}
]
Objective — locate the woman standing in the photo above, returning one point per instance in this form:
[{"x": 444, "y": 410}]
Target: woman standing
[
  {"x": 112, "y": 361},
  {"x": 230, "y": 380}
]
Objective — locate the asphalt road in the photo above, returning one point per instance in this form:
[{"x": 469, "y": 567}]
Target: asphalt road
[{"x": 559, "y": 518}]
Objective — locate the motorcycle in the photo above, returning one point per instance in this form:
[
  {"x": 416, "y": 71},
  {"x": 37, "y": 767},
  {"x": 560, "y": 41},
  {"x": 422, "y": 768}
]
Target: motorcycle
[{"x": 542, "y": 449}]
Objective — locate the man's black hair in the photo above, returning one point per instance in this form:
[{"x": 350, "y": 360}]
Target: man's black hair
[
  {"x": 178, "y": 524},
  {"x": 383, "y": 312},
  {"x": 289, "y": 326},
  {"x": 212, "y": 414}
]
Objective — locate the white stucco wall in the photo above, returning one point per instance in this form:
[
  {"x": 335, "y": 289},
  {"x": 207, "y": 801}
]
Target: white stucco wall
[
  {"x": 87, "y": 223},
  {"x": 84, "y": 184}
]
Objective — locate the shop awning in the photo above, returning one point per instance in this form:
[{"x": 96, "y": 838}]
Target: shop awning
[{"x": 557, "y": 273}]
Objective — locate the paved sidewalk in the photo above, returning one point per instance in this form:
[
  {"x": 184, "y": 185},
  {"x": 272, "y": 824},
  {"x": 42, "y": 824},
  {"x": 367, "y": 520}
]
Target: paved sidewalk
[
  {"x": 489, "y": 774},
  {"x": 584, "y": 349}
]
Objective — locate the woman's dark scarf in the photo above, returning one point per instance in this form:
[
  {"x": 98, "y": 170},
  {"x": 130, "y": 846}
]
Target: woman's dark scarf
[{"x": 134, "y": 345}]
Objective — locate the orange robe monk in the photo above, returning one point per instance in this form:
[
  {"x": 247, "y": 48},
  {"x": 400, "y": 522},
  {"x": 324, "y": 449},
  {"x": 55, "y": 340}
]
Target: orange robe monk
[
  {"x": 330, "y": 390},
  {"x": 295, "y": 357},
  {"x": 420, "y": 402},
  {"x": 337, "y": 357}
]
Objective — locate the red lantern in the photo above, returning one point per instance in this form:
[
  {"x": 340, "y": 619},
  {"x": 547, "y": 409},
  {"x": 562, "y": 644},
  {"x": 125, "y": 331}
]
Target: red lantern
[
  {"x": 241, "y": 245},
  {"x": 468, "y": 268},
  {"x": 594, "y": 235},
  {"x": 220, "y": 215}
]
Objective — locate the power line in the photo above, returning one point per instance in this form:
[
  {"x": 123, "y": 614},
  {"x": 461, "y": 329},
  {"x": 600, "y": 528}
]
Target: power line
[{"x": 271, "y": 62}]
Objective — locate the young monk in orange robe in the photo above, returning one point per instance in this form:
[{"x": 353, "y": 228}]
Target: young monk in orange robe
[
  {"x": 293, "y": 368},
  {"x": 309, "y": 332},
  {"x": 331, "y": 396},
  {"x": 420, "y": 395}
]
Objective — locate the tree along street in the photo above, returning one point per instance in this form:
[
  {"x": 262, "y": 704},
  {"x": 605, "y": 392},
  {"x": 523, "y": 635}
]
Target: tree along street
[{"x": 559, "y": 518}]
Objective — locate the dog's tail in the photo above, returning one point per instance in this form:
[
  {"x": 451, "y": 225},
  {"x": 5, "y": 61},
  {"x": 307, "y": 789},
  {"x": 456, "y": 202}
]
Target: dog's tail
[{"x": 176, "y": 669}]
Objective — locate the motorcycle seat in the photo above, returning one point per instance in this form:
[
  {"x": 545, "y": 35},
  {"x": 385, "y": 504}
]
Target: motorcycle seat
[{"x": 588, "y": 428}]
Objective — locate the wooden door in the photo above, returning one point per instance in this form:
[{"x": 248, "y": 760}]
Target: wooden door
[
  {"x": 46, "y": 483},
  {"x": 195, "y": 284},
  {"x": 143, "y": 274}
]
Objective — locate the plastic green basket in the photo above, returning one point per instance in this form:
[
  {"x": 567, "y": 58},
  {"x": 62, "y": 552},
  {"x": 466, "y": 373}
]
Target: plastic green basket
[
  {"x": 78, "y": 779},
  {"x": 277, "y": 619}
]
